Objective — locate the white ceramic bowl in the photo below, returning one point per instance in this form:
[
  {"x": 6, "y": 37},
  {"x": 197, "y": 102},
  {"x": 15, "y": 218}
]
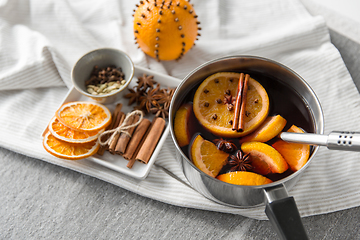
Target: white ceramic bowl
[{"x": 103, "y": 57}]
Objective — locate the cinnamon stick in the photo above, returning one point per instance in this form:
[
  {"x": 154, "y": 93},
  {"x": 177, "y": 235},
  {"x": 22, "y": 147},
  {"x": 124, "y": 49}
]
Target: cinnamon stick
[
  {"x": 124, "y": 138},
  {"x": 133, "y": 160},
  {"x": 114, "y": 141},
  {"x": 151, "y": 140},
  {"x": 243, "y": 104},
  {"x": 131, "y": 163},
  {"x": 235, "y": 125},
  {"x": 136, "y": 138},
  {"x": 136, "y": 141},
  {"x": 114, "y": 120}
]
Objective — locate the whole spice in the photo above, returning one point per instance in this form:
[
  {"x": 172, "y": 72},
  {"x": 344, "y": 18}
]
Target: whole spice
[
  {"x": 240, "y": 161},
  {"x": 105, "y": 80},
  {"x": 134, "y": 95},
  {"x": 145, "y": 82},
  {"x": 229, "y": 101},
  {"x": 115, "y": 119},
  {"x": 165, "y": 96},
  {"x": 125, "y": 137},
  {"x": 136, "y": 139},
  {"x": 160, "y": 111},
  {"x": 225, "y": 145},
  {"x": 149, "y": 99},
  {"x": 238, "y": 123},
  {"x": 243, "y": 104},
  {"x": 235, "y": 125},
  {"x": 151, "y": 140},
  {"x": 113, "y": 142}
]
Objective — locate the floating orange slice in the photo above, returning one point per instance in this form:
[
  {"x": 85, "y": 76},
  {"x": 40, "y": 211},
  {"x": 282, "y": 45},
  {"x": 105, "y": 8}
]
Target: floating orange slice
[
  {"x": 84, "y": 116},
  {"x": 269, "y": 129},
  {"x": 181, "y": 128},
  {"x": 243, "y": 178},
  {"x": 62, "y": 132},
  {"x": 295, "y": 154},
  {"x": 264, "y": 158},
  {"x": 66, "y": 150},
  {"x": 207, "y": 157},
  {"x": 214, "y": 114}
]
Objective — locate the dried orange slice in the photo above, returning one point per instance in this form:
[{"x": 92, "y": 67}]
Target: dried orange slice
[
  {"x": 207, "y": 157},
  {"x": 244, "y": 178},
  {"x": 64, "y": 133},
  {"x": 269, "y": 129},
  {"x": 214, "y": 114},
  {"x": 181, "y": 128},
  {"x": 264, "y": 158},
  {"x": 84, "y": 116},
  {"x": 295, "y": 154},
  {"x": 66, "y": 150}
]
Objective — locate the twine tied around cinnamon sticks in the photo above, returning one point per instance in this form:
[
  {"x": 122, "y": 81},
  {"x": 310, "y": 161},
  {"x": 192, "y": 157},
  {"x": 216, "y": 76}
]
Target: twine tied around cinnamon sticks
[{"x": 121, "y": 129}]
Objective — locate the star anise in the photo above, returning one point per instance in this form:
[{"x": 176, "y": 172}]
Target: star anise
[
  {"x": 149, "y": 99},
  {"x": 145, "y": 82},
  {"x": 165, "y": 96},
  {"x": 134, "y": 95},
  {"x": 240, "y": 161},
  {"x": 160, "y": 111},
  {"x": 228, "y": 99},
  {"x": 225, "y": 145}
]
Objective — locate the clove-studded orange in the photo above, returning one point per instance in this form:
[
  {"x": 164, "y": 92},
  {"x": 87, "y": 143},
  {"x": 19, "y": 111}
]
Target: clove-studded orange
[{"x": 165, "y": 29}]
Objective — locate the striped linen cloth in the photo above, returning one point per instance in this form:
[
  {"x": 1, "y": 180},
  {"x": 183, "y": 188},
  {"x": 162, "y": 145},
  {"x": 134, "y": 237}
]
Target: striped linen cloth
[{"x": 41, "y": 42}]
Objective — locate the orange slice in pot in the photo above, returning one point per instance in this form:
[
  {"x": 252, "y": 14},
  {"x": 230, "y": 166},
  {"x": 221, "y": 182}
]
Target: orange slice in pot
[
  {"x": 269, "y": 129},
  {"x": 295, "y": 154},
  {"x": 216, "y": 116},
  {"x": 84, "y": 116},
  {"x": 207, "y": 157},
  {"x": 64, "y": 133},
  {"x": 244, "y": 178},
  {"x": 181, "y": 127},
  {"x": 264, "y": 158},
  {"x": 66, "y": 150}
]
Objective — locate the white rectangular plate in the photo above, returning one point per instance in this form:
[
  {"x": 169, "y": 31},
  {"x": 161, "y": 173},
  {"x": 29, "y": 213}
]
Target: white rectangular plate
[{"x": 117, "y": 162}]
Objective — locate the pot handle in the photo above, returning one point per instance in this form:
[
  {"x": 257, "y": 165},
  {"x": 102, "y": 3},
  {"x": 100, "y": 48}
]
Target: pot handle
[{"x": 283, "y": 214}]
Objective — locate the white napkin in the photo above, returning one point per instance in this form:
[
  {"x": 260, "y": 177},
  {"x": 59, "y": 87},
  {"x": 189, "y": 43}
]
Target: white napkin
[{"x": 40, "y": 43}]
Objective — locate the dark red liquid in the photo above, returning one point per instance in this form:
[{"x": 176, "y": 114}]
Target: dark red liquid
[{"x": 284, "y": 100}]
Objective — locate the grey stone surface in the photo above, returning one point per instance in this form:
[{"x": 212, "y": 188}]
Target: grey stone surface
[{"x": 43, "y": 201}]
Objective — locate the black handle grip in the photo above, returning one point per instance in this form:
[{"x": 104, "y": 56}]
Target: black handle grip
[{"x": 285, "y": 218}]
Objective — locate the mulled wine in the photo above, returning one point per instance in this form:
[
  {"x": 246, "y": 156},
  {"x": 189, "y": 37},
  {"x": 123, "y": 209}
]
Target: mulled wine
[{"x": 283, "y": 100}]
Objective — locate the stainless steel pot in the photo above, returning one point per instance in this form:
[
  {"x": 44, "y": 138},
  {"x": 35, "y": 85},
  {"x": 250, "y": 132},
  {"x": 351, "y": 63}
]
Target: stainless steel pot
[{"x": 280, "y": 207}]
